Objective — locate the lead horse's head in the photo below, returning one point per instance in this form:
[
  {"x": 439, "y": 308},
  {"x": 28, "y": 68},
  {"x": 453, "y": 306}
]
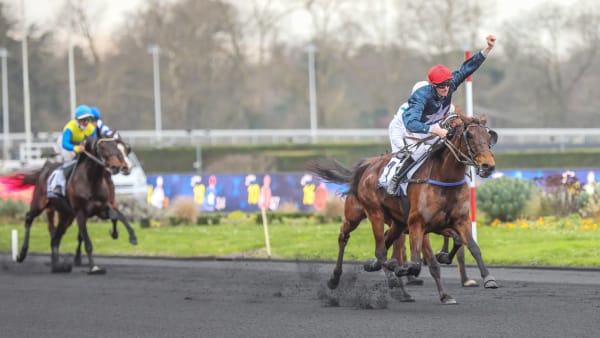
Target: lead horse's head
[
  {"x": 111, "y": 153},
  {"x": 471, "y": 142}
]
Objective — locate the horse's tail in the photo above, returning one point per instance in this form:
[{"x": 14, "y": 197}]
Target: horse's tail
[
  {"x": 330, "y": 170},
  {"x": 20, "y": 181},
  {"x": 333, "y": 171}
]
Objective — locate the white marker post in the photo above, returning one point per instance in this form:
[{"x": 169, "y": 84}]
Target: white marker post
[
  {"x": 266, "y": 231},
  {"x": 15, "y": 243},
  {"x": 469, "y": 103}
]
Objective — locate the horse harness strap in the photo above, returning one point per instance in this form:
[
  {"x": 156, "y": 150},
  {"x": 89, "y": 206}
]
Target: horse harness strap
[
  {"x": 439, "y": 183},
  {"x": 96, "y": 159}
]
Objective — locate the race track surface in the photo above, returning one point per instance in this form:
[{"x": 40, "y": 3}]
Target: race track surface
[{"x": 228, "y": 298}]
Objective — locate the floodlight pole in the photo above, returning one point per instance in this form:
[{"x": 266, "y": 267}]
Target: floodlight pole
[{"x": 155, "y": 51}]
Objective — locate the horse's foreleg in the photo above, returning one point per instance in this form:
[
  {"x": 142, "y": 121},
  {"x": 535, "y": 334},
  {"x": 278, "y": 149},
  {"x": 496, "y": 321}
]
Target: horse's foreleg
[
  {"x": 399, "y": 254},
  {"x": 116, "y": 215},
  {"x": 489, "y": 282},
  {"x": 416, "y": 236},
  {"x": 435, "y": 271},
  {"x": 446, "y": 257},
  {"x": 460, "y": 258},
  {"x": 82, "y": 223}
]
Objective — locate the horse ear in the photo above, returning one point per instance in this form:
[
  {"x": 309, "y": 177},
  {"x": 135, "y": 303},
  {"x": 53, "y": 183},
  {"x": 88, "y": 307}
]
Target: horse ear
[{"x": 493, "y": 137}]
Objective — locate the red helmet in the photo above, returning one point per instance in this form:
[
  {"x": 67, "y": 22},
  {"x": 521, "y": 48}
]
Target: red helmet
[{"x": 438, "y": 74}]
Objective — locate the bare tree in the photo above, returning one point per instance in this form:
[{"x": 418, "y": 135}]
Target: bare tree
[{"x": 555, "y": 45}]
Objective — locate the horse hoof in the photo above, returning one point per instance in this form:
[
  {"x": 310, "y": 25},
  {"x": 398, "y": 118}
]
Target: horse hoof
[
  {"x": 372, "y": 266},
  {"x": 20, "y": 259},
  {"x": 114, "y": 234},
  {"x": 96, "y": 270},
  {"x": 332, "y": 284},
  {"x": 133, "y": 241},
  {"x": 448, "y": 300},
  {"x": 414, "y": 270},
  {"x": 412, "y": 280},
  {"x": 443, "y": 257},
  {"x": 391, "y": 264},
  {"x": 470, "y": 283},
  {"x": 489, "y": 282}
]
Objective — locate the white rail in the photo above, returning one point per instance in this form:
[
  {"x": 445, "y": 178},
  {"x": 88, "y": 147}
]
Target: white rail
[{"x": 519, "y": 138}]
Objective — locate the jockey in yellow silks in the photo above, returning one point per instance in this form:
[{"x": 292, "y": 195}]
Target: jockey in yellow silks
[{"x": 74, "y": 132}]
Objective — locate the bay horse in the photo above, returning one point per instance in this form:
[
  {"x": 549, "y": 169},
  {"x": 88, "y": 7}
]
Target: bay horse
[
  {"x": 89, "y": 192},
  {"x": 437, "y": 195}
]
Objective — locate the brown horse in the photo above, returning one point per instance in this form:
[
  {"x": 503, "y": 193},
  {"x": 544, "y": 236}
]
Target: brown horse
[
  {"x": 89, "y": 192},
  {"x": 437, "y": 196}
]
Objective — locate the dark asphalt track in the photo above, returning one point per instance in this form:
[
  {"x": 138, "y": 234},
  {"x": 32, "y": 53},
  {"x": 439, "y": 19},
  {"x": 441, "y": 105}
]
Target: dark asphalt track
[{"x": 222, "y": 298}]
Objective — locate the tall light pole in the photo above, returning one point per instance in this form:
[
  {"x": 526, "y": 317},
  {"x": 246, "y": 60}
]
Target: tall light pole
[
  {"x": 26, "y": 102},
  {"x": 72, "y": 89},
  {"x": 155, "y": 51},
  {"x": 311, "y": 49},
  {"x": 5, "y": 119}
]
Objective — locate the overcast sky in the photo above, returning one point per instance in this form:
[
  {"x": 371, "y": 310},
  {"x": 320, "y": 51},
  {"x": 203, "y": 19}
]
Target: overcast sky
[{"x": 112, "y": 12}]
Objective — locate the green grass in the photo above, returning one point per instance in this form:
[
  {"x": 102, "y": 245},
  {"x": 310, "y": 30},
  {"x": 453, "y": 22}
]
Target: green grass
[{"x": 500, "y": 245}]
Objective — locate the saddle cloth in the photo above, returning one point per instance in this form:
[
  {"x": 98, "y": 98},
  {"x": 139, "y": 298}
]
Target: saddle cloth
[{"x": 388, "y": 172}]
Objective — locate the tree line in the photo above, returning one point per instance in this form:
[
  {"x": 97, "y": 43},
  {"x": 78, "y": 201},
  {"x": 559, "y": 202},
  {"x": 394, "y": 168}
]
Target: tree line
[{"x": 241, "y": 64}]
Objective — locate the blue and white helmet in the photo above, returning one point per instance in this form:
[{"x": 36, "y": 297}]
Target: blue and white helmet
[
  {"x": 96, "y": 112},
  {"x": 83, "y": 112}
]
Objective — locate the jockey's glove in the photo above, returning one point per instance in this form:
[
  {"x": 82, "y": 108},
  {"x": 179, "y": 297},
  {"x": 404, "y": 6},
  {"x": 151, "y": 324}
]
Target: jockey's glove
[{"x": 78, "y": 148}]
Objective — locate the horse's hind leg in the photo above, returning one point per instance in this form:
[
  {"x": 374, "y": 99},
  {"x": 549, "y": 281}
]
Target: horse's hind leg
[
  {"x": 63, "y": 223},
  {"x": 29, "y": 217},
  {"x": 77, "y": 258},
  {"x": 115, "y": 215},
  {"x": 353, "y": 215},
  {"x": 435, "y": 271}
]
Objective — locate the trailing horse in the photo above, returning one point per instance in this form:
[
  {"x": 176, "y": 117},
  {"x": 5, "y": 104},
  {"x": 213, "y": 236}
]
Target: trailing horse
[
  {"x": 89, "y": 192},
  {"x": 437, "y": 200}
]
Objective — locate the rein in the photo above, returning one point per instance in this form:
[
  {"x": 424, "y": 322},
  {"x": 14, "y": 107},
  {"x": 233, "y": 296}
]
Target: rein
[
  {"x": 466, "y": 159},
  {"x": 96, "y": 159}
]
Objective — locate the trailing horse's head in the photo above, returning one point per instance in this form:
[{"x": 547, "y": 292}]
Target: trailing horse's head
[{"x": 473, "y": 141}]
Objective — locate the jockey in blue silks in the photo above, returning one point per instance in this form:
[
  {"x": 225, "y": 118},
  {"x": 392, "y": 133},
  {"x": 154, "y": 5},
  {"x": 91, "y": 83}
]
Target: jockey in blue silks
[
  {"x": 428, "y": 105},
  {"x": 102, "y": 128}
]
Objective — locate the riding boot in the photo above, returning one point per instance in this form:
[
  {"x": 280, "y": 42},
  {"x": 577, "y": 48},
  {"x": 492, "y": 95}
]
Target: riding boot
[{"x": 400, "y": 173}]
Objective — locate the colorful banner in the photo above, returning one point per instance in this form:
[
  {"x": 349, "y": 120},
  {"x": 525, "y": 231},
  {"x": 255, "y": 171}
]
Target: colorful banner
[
  {"x": 273, "y": 191},
  {"x": 242, "y": 192},
  {"x": 292, "y": 191}
]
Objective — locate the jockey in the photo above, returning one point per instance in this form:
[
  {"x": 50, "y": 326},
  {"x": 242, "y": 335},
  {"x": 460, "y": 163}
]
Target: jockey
[
  {"x": 103, "y": 129},
  {"x": 74, "y": 132},
  {"x": 429, "y": 104}
]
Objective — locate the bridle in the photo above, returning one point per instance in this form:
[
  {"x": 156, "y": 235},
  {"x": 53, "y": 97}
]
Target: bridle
[
  {"x": 98, "y": 158},
  {"x": 468, "y": 158}
]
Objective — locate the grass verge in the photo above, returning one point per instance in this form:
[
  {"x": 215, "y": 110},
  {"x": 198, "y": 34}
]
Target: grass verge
[{"x": 499, "y": 245}]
